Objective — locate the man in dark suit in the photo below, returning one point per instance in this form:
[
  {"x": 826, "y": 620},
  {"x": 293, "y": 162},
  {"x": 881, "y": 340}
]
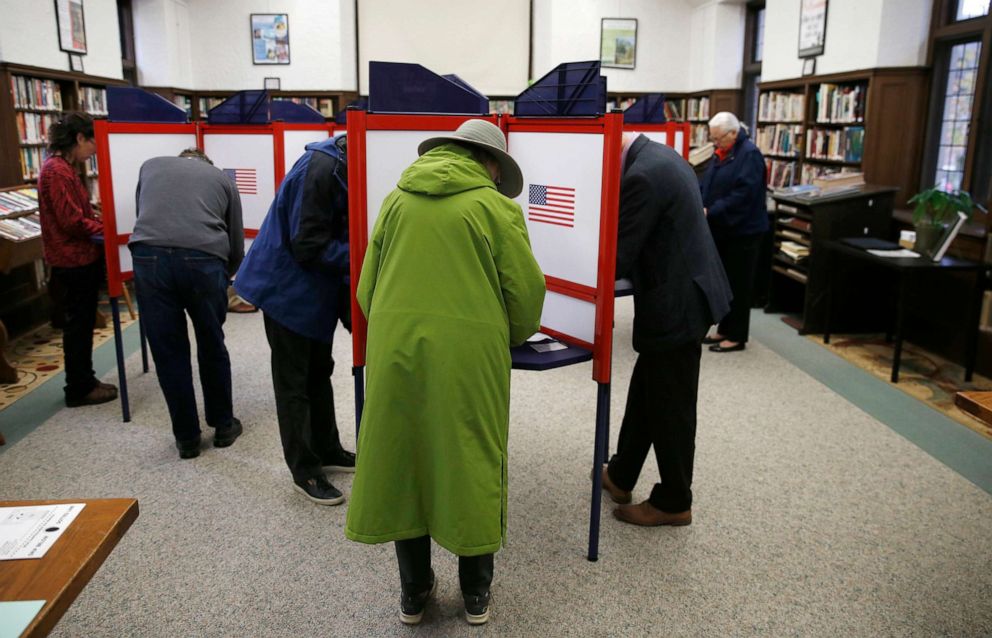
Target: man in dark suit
[{"x": 680, "y": 289}]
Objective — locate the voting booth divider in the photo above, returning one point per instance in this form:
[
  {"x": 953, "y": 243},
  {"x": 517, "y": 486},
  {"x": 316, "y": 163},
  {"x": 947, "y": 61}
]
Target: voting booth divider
[
  {"x": 570, "y": 201},
  {"x": 255, "y": 156},
  {"x": 674, "y": 134}
]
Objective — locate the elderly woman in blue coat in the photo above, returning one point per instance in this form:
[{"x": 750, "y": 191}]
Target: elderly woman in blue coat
[{"x": 734, "y": 199}]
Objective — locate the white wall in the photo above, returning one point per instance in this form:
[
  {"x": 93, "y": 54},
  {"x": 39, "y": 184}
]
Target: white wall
[
  {"x": 861, "y": 34},
  {"x": 206, "y": 44},
  {"x": 29, "y": 35},
  {"x": 716, "y": 45}
]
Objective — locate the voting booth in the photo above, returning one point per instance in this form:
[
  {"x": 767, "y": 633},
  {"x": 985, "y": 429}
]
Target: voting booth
[
  {"x": 243, "y": 138},
  {"x": 647, "y": 116},
  {"x": 569, "y": 153}
]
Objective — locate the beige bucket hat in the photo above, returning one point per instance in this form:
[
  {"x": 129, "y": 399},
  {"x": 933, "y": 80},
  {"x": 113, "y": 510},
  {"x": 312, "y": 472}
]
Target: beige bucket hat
[{"x": 489, "y": 138}]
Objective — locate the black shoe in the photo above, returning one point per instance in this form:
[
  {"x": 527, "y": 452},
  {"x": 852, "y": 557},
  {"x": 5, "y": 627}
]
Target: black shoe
[
  {"x": 223, "y": 437},
  {"x": 707, "y": 340},
  {"x": 189, "y": 449},
  {"x": 477, "y": 609},
  {"x": 343, "y": 461},
  {"x": 412, "y": 607},
  {"x": 319, "y": 490},
  {"x": 733, "y": 348}
]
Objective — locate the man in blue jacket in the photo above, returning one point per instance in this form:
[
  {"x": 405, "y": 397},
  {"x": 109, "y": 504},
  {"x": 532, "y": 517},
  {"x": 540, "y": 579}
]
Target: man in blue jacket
[{"x": 295, "y": 272}]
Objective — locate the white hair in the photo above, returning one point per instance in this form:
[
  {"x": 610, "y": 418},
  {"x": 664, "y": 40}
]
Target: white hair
[{"x": 726, "y": 122}]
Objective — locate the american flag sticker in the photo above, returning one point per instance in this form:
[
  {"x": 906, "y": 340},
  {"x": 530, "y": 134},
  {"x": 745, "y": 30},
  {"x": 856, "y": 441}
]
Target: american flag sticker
[
  {"x": 553, "y": 205},
  {"x": 246, "y": 179}
]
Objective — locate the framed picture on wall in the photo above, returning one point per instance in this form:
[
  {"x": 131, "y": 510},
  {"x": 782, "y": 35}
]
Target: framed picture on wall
[
  {"x": 618, "y": 42},
  {"x": 812, "y": 27},
  {"x": 270, "y": 38},
  {"x": 71, "y": 26}
]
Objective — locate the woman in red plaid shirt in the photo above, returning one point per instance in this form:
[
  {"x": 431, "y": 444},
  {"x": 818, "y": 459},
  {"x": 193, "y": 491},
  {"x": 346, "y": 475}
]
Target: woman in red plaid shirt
[{"x": 68, "y": 224}]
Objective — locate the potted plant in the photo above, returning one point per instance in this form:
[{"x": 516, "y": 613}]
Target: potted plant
[{"x": 935, "y": 208}]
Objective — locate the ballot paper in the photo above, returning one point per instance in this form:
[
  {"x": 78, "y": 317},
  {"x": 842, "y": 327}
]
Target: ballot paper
[
  {"x": 29, "y": 532},
  {"x": 537, "y": 337},
  {"x": 551, "y": 346},
  {"x": 901, "y": 253}
]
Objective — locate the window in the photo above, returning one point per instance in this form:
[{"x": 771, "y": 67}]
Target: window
[
  {"x": 968, "y": 9},
  {"x": 959, "y": 99},
  {"x": 759, "y": 35}
]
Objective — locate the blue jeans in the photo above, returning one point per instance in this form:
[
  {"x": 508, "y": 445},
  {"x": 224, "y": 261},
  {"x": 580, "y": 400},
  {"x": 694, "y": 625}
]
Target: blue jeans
[{"x": 171, "y": 283}]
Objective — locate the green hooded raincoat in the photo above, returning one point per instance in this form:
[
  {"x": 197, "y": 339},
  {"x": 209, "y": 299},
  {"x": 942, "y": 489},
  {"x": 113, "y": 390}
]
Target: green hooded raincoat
[{"x": 449, "y": 282}]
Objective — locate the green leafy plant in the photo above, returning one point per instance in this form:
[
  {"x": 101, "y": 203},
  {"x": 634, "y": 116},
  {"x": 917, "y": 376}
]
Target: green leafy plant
[{"x": 935, "y": 206}]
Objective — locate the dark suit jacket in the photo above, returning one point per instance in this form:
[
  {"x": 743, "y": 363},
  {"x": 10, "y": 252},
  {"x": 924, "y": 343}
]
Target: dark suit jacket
[{"x": 665, "y": 248}]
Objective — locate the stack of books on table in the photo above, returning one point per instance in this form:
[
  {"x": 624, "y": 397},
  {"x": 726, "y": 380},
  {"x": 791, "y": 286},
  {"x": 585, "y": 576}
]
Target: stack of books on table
[
  {"x": 839, "y": 182},
  {"x": 19, "y": 201},
  {"x": 20, "y": 228},
  {"x": 795, "y": 252}
]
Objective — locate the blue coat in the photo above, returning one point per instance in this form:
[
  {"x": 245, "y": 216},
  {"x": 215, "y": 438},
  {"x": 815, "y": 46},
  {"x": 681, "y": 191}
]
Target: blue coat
[
  {"x": 734, "y": 191},
  {"x": 296, "y": 266}
]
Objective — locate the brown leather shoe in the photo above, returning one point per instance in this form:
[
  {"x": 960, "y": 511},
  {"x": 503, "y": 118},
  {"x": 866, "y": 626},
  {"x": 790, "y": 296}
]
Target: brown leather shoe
[
  {"x": 102, "y": 393},
  {"x": 648, "y": 515},
  {"x": 617, "y": 494}
]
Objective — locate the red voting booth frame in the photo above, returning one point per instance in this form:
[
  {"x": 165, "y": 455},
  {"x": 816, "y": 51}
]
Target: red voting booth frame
[
  {"x": 670, "y": 129},
  {"x": 113, "y": 240},
  {"x": 611, "y": 127}
]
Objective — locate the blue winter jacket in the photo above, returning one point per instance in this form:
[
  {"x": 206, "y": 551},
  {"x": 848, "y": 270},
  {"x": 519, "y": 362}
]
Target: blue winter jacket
[
  {"x": 298, "y": 262},
  {"x": 734, "y": 191}
]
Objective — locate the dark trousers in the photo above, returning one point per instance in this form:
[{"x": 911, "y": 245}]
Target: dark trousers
[
  {"x": 80, "y": 287},
  {"x": 172, "y": 283},
  {"x": 661, "y": 411},
  {"x": 475, "y": 573},
  {"x": 740, "y": 259},
  {"x": 301, "y": 378}
]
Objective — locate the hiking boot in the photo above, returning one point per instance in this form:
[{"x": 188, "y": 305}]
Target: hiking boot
[
  {"x": 477, "y": 609},
  {"x": 101, "y": 393}
]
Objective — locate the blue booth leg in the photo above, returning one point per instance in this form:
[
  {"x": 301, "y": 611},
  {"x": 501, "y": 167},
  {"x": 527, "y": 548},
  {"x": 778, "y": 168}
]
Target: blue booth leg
[
  {"x": 121, "y": 372},
  {"x": 359, "y": 373},
  {"x": 598, "y": 458}
]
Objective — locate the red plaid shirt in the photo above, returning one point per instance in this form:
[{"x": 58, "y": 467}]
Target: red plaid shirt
[{"x": 67, "y": 219}]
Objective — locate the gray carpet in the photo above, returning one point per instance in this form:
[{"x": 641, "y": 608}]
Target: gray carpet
[{"x": 810, "y": 518}]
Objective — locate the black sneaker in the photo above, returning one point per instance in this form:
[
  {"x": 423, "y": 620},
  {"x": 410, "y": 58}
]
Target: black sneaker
[
  {"x": 477, "y": 609},
  {"x": 189, "y": 449},
  {"x": 319, "y": 490},
  {"x": 223, "y": 437},
  {"x": 412, "y": 607},
  {"x": 343, "y": 461}
]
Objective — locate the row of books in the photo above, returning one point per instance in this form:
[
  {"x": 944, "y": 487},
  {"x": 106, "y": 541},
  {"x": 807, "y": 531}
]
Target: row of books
[
  {"x": 93, "y": 100},
  {"x": 32, "y": 93},
  {"x": 323, "y": 105},
  {"x": 795, "y": 223},
  {"x": 844, "y": 145},
  {"x": 776, "y": 106},
  {"x": 840, "y": 103},
  {"x": 699, "y": 135},
  {"x": 780, "y": 173},
  {"x": 779, "y": 139},
  {"x": 21, "y": 200},
  {"x": 207, "y": 103},
  {"x": 698, "y": 108},
  {"x": 796, "y": 252},
  {"x": 675, "y": 110},
  {"x": 20, "y": 228},
  {"x": 813, "y": 171},
  {"x": 32, "y": 157},
  {"x": 32, "y": 128}
]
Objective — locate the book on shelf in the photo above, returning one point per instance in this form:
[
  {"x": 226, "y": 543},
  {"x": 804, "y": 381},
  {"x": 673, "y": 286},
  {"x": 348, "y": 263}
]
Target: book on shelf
[
  {"x": 18, "y": 201},
  {"x": 20, "y": 228},
  {"x": 777, "y": 106},
  {"x": 699, "y": 135},
  {"x": 780, "y": 173},
  {"x": 795, "y": 252},
  {"x": 32, "y": 157},
  {"x": 793, "y": 222},
  {"x": 791, "y": 234},
  {"x": 675, "y": 110},
  {"x": 839, "y": 182},
  {"x": 841, "y": 145},
  {"x": 623, "y": 105},
  {"x": 503, "y": 107},
  {"x": 32, "y": 128},
  {"x": 840, "y": 103},
  {"x": 700, "y": 154},
  {"x": 801, "y": 276},
  {"x": 698, "y": 108},
  {"x": 779, "y": 139},
  {"x": 812, "y": 171},
  {"x": 34, "y": 93},
  {"x": 93, "y": 100}
]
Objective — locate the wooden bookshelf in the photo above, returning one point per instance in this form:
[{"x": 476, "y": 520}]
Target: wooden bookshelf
[
  {"x": 845, "y": 122},
  {"x": 198, "y": 103},
  {"x": 696, "y": 108}
]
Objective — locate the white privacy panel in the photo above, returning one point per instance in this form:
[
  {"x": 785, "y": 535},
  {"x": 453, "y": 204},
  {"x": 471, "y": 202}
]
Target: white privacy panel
[
  {"x": 658, "y": 136},
  {"x": 124, "y": 254},
  {"x": 570, "y": 316},
  {"x": 387, "y": 154},
  {"x": 679, "y": 141},
  {"x": 662, "y": 137},
  {"x": 563, "y": 179},
  {"x": 295, "y": 142},
  {"x": 128, "y": 151},
  {"x": 249, "y": 160}
]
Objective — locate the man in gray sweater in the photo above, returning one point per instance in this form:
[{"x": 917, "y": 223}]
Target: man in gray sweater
[{"x": 187, "y": 242}]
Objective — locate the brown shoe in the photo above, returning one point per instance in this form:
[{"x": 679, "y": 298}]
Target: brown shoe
[
  {"x": 102, "y": 393},
  {"x": 648, "y": 515},
  {"x": 618, "y": 495}
]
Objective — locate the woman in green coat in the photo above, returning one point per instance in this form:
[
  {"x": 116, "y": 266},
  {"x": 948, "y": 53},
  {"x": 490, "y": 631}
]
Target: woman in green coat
[{"x": 449, "y": 283}]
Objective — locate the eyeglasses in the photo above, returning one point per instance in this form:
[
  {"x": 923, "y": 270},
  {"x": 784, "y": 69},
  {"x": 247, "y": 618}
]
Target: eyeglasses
[{"x": 716, "y": 139}]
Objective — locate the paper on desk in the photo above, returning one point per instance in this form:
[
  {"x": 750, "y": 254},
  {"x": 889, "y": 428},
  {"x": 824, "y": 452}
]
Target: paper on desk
[
  {"x": 548, "y": 347},
  {"x": 537, "y": 336},
  {"x": 15, "y": 616},
  {"x": 29, "y": 532},
  {"x": 901, "y": 253}
]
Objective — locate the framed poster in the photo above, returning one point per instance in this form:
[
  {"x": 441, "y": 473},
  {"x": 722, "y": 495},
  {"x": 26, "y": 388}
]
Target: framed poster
[
  {"x": 270, "y": 38},
  {"x": 618, "y": 42},
  {"x": 71, "y": 26},
  {"x": 812, "y": 27}
]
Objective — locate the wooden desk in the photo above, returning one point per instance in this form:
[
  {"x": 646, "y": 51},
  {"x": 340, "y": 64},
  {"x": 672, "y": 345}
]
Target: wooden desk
[
  {"x": 61, "y": 574},
  {"x": 908, "y": 269}
]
